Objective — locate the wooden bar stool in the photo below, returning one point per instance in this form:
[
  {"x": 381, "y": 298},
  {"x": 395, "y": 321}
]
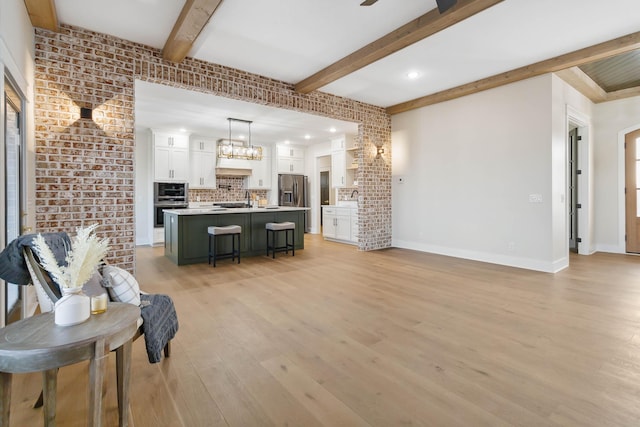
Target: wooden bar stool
[
  {"x": 274, "y": 227},
  {"x": 228, "y": 230}
]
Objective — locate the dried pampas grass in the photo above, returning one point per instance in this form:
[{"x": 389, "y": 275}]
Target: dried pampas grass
[{"x": 86, "y": 253}]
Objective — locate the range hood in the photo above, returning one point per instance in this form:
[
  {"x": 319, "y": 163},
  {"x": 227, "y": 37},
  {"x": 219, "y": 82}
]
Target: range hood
[{"x": 233, "y": 167}]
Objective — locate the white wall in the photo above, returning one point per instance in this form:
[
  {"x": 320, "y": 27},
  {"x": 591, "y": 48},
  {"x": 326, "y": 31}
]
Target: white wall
[
  {"x": 611, "y": 121},
  {"x": 143, "y": 189},
  {"x": 469, "y": 167},
  {"x": 17, "y": 53}
]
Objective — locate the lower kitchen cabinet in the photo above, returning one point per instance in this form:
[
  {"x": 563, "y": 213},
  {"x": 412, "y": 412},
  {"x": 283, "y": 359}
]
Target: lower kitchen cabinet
[
  {"x": 187, "y": 237},
  {"x": 337, "y": 224}
]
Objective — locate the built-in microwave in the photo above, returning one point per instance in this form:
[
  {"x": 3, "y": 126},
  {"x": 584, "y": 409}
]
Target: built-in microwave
[
  {"x": 171, "y": 192},
  {"x": 168, "y": 195}
]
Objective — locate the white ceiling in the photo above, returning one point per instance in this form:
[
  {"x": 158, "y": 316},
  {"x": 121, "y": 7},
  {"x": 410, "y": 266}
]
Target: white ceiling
[
  {"x": 290, "y": 40},
  {"x": 161, "y": 107}
]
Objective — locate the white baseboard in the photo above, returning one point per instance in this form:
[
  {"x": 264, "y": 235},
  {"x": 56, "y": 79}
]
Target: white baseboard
[
  {"x": 511, "y": 261},
  {"x": 614, "y": 249}
]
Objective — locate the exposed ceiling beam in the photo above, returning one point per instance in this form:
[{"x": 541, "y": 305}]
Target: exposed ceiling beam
[
  {"x": 42, "y": 14},
  {"x": 414, "y": 31},
  {"x": 584, "y": 84},
  {"x": 573, "y": 59},
  {"x": 194, "y": 16},
  {"x": 624, "y": 93}
]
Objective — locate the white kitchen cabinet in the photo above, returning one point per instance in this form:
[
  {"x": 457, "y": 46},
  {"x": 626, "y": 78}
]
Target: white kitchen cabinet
[
  {"x": 170, "y": 157},
  {"x": 336, "y": 223},
  {"x": 158, "y": 236},
  {"x": 202, "y": 163},
  {"x": 260, "y": 178},
  {"x": 202, "y": 173},
  {"x": 290, "y": 151},
  {"x": 290, "y": 159},
  {"x": 338, "y": 169},
  {"x": 291, "y": 166}
]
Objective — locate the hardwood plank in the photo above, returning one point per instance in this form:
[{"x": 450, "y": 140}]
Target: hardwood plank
[
  {"x": 582, "y": 56},
  {"x": 190, "y": 397},
  {"x": 420, "y": 28},
  {"x": 383, "y": 338},
  {"x": 313, "y": 396},
  {"x": 194, "y": 16}
]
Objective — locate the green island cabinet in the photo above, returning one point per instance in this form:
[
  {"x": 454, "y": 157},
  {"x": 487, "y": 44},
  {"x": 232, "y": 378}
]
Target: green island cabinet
[{"x": 186, "y": 237}]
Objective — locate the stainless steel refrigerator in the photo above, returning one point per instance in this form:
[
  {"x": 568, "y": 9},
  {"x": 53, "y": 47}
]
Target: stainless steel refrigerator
[{"x": 293, "y": 190}]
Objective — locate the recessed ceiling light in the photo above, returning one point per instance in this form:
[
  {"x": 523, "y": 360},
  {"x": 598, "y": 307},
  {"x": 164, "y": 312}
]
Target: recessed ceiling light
[
  {"x": 183, "y": 130},
  {"x": 412, "y": 75},
  {"x": 332, "y": 130},
  {"x": 287, "y": 142},
  {"x": 307, "y": 136}
]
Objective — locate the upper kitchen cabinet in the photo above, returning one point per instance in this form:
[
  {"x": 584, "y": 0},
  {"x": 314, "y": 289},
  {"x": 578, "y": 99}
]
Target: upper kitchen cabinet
[
  {"x": 260, "y": 178},
  {"x": 202, "y": 163},
  {"x": 344, "y": 161},
  {"x": 290, "y": 159},
  {"x": 170, "y": 157}
]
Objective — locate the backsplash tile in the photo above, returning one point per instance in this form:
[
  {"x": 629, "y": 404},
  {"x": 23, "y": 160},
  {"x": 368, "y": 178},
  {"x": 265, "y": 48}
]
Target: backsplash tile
[{"x": 229, "y": 189}]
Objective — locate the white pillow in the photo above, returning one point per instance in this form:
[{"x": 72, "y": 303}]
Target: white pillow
[{"x": 122, "y": 286}]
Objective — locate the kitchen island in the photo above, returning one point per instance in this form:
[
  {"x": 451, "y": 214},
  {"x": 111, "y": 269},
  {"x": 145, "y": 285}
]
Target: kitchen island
[{"x": 186, "y": 238}]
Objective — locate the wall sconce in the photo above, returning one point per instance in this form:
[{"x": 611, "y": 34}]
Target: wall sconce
[
  {"x": 86, "y": 113},
  {"x": 379, "y": 152}
]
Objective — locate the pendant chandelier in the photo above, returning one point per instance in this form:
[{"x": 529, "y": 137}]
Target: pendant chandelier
[{"x": 238, "y": 145}]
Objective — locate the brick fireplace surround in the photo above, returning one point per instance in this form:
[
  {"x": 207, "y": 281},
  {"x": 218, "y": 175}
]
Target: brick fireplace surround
[{"x": 85, "y": 168}]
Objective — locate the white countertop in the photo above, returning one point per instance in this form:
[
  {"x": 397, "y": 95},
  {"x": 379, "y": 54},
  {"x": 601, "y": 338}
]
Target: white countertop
[
  {"x": 217, "y": 210},
  {"x": 351, "y": 204}
]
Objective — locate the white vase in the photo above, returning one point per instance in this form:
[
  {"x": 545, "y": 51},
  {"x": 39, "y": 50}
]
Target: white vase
[{"x": 74, "y": 307}]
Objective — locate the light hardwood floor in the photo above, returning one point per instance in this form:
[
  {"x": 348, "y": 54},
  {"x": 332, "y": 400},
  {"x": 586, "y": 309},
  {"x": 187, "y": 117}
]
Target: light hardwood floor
[{"x": 337, "y": 337}]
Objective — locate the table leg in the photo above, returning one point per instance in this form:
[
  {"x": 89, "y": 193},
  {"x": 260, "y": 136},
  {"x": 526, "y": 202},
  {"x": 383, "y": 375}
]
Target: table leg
[
  {"x": 96, "y": 377},
  {"x": 49, "y": 385},
  {"x": 5, "y": 397},
  {"x": 123, "y": 371}
]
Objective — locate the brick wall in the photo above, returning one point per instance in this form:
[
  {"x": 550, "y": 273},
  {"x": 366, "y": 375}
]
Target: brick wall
[{"x": 84, "y": 170}]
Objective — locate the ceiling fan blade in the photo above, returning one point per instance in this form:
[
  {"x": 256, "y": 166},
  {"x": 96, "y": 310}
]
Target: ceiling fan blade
[
  {"x": 368, "y": 2},
  {"x": 444, "y": 5}
]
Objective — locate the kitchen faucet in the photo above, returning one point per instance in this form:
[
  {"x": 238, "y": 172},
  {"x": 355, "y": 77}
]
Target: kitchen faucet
[
  {"x": 354, "y": 192},
  {"x": 248, "y": 194}
]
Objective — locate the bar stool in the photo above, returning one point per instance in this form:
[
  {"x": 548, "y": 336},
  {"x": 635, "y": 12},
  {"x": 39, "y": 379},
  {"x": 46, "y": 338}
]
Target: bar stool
[
  {"x": 274, "y": 227},
  {"x": 228, "y": 230}
]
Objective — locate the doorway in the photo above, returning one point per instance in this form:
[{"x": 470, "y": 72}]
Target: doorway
[
  {"x": 13, "y": 177},
  {"x": 324, "y": 191},
  {"x": 632, "y": 191}
]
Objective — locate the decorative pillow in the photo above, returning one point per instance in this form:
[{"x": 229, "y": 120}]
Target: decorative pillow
[
  {"x": 122, "y": 286},
  {"x": 94, "y": 286}
]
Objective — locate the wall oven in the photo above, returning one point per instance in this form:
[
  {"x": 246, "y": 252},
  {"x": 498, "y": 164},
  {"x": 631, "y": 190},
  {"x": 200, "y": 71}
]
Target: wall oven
[{"x": 168, "y": 195}]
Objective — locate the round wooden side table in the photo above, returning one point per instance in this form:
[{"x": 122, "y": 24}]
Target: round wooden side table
[{"x": 38, "y": 344}]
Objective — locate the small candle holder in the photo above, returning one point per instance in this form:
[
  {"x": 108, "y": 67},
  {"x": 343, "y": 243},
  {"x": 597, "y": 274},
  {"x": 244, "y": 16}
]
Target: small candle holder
[{"x": 99, "y": 303}]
